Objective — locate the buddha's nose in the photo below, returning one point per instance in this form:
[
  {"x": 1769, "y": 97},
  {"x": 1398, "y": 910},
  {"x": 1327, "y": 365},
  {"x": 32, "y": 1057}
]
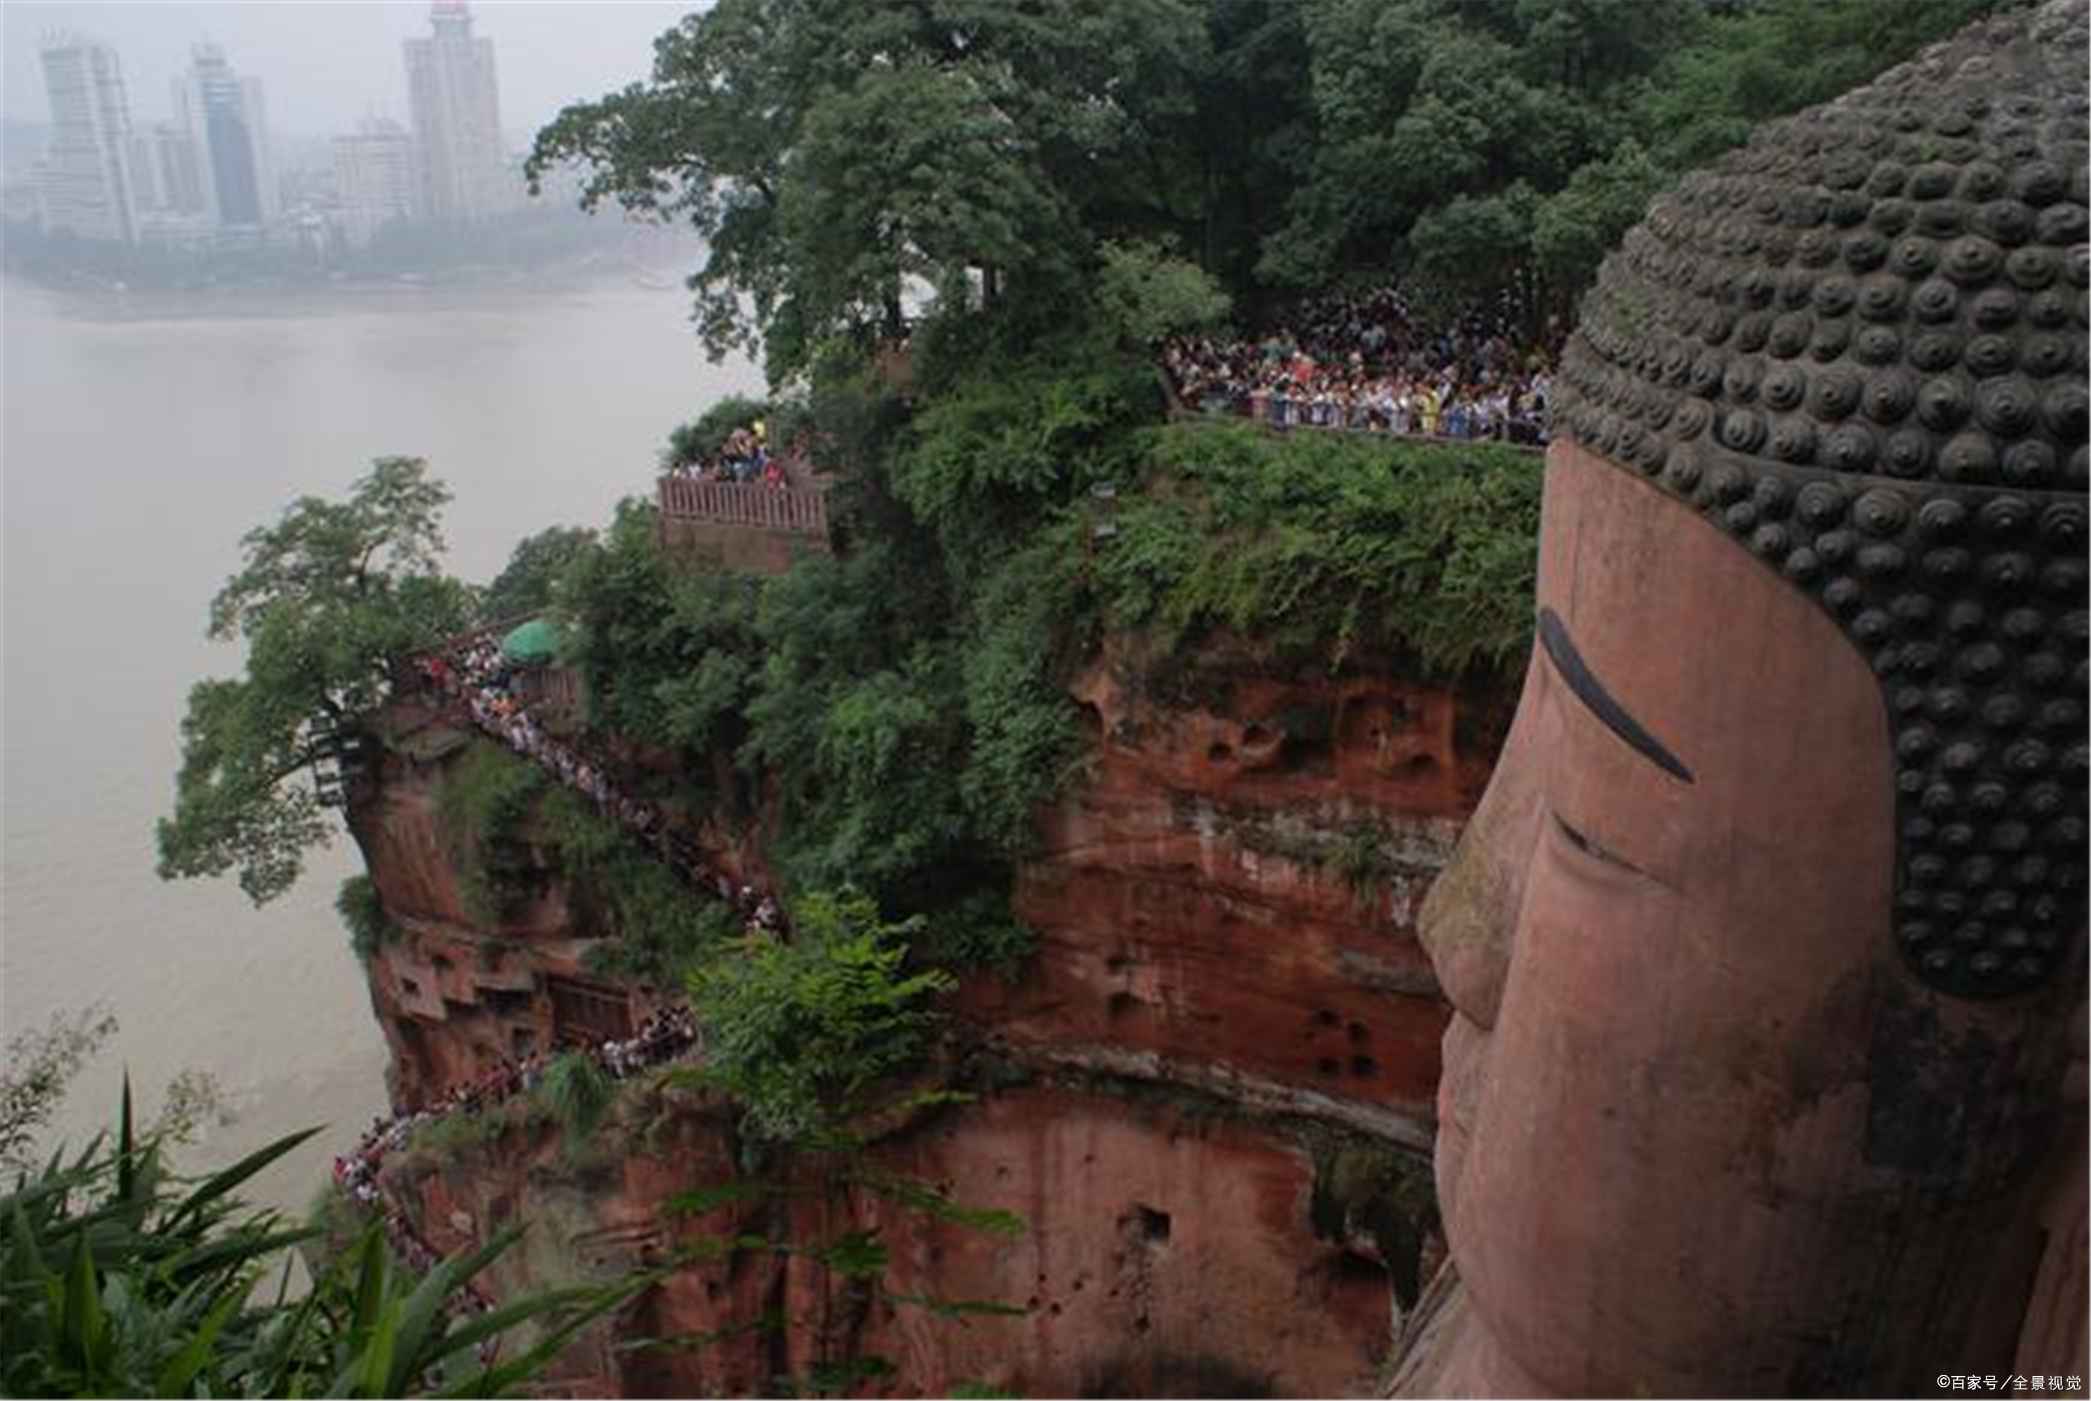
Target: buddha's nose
[{"x": 1468, "y": 923}]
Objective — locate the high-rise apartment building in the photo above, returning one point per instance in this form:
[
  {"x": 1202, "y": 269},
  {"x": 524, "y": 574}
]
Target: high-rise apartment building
[
  {"x": 374, "y": 178},
  {"x": 87, "y": 184},
  {"x": 229, "y": 128},
  {"x": 456, "y": 110},
  {"x": 163, "y": 168}
]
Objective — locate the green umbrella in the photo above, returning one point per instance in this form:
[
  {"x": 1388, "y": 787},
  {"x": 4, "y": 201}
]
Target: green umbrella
[{"x": 535, "y": 641}]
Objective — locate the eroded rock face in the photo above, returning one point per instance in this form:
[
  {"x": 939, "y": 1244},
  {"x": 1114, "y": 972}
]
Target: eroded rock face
[
  {"x": 1209, "y": 1097},
  {"x": 1171, "y": 1248},
  {"x": 1231, "y": 898}
]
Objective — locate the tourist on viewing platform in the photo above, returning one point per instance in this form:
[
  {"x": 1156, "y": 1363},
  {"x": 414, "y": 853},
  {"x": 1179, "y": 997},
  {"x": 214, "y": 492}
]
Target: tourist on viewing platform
[
  {"x": 744, "y": 456},
  {"x": 1368, "y": 363}
]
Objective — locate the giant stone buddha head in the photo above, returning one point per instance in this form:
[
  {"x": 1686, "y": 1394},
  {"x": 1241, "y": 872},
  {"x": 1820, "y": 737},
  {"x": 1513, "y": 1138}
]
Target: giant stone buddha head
[{"x": 1765, "y": 940}]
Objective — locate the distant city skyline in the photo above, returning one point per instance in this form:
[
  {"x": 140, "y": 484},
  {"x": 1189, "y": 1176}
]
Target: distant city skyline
[
  {"x": 453, "y": 96},
  {"x": 328, "y": 66},
  {"x": 207, "y": 181}
]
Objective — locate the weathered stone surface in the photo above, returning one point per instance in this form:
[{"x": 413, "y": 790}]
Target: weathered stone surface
[
  {"x": 1236, "y": 883},
  {"x": 1170, "y": 1249},
  {"x": 1858, "y": 347}
]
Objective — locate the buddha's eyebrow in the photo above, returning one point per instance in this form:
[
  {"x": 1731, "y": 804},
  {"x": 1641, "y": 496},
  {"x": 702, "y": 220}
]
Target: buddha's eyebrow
[{"x": 1553, "y": 636}]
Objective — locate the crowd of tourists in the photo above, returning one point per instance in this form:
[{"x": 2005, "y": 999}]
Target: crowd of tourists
[
  {"x": 1369, "y": 362},
  {"x": 668, "y": 1034},
  {"x": 483, "y": 685},
  {"x": 479, "y": 684},
  {"x": 744, "y": 456},
  {"x": 484, "y": 682}
]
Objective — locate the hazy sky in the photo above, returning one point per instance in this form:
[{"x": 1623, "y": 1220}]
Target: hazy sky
[{"x": 324, "y": 66}]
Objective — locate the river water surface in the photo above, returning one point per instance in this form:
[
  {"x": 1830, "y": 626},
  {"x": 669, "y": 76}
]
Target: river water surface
[{"x": 143, "y": 437}]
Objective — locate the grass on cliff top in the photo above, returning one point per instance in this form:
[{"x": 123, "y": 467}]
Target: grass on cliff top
[{"x": 1326, "y": 543}]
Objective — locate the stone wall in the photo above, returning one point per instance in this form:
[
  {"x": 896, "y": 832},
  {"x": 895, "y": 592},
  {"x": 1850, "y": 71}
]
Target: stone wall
[{"x": 735, "y": 549}]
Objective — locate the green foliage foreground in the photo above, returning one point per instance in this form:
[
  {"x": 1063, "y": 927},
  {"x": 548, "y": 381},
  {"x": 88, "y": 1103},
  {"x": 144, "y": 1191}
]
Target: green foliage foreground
[{"x": 117, "y": 1279}]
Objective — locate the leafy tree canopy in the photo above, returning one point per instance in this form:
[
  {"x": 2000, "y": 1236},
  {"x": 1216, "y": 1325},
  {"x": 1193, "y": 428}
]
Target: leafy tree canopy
[
  {"x": 1146, "y": 292},
  {"x": 798, "y": 1032},
  {"x": 524, "y": 585},
  {"x": 837, "y": 157},
  {"x": 326, "y": 598}
]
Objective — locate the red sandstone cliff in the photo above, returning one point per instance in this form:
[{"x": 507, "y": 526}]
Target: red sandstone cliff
[
  {"x": 1230, "y": 901},
  {"x": 1208, "y": 1096}
]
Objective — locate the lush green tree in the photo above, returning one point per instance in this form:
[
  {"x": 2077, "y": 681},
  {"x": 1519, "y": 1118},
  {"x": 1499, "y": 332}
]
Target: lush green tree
[
  {"x": 819, "y": 1041},
  {"x": 665, "y": 656},
  {"x": 835, "y": 156},
  {"x": 328, "y": 599},
  {"x": 1145, "y": 292},
  {"x": 1419, "y": 105},
  {"x": 1433, "y": 126},
  {"x": 1247, "y": 139},
  {"x": 856, "y": 718},
  {"x": 1464, "y": 250},
  {"x": 800, "y": 1032},
  {"x": 1573, "y": 229},
  {"x": 914, "y": 175},
  {"x": 989, "y": 459},
  {"x": 1030, "y": 624},
  {"x": 523, "y": 588},
  {"x": 832, "y": 154},
  {"x": 1757, "y": 61}
]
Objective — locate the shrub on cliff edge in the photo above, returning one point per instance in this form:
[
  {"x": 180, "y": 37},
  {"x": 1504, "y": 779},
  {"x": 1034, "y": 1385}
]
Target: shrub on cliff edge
[
  {"x": 363, "y": 911},
  {"x": 1327, "y": 543},
  {"x": 797, "y": 1032}
]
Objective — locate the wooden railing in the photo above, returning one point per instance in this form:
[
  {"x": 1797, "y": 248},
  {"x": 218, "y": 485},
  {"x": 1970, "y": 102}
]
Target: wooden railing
[
  {"x": 801, "y": 510},
  {"x": 559, "y": 690}
]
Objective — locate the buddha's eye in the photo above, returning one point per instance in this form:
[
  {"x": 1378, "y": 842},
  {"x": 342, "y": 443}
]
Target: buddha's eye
[{"x": 1592, "y": 849}]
